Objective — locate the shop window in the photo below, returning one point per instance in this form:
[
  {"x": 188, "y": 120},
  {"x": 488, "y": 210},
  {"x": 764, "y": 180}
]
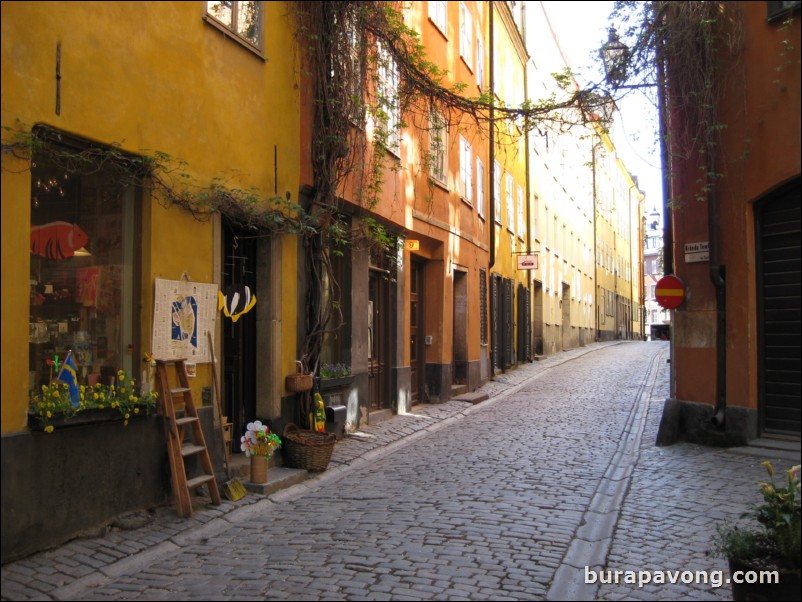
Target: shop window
[
  {"x": 336, "y": 344},
  {"x": 82, "y": 268}
]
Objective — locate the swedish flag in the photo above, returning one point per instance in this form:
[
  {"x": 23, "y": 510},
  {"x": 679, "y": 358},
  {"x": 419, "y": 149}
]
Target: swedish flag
[{"x": 69, "y": 374}]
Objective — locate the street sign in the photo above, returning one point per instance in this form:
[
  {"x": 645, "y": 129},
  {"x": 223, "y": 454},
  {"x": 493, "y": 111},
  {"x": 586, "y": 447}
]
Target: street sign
[
  {"x": 697, "y": 251},
  {"x": 527, "y": 261},
  {"x": 670, "y": 292}
]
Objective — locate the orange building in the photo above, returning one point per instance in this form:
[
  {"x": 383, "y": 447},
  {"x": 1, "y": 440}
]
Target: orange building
[{"x": 736, "y": 235}]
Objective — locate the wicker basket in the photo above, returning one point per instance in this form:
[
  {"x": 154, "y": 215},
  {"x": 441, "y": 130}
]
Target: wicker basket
[
  {"x": 308, "y": 450},
  {"x": 299, "y": 382}
]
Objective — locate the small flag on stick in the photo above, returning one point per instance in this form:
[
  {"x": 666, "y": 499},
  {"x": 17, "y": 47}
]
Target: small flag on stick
[{"x": 69, "y": 374}]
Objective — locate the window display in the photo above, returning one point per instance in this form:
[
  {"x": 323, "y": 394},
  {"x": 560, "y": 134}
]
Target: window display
[{"x": 81, "y": 270}]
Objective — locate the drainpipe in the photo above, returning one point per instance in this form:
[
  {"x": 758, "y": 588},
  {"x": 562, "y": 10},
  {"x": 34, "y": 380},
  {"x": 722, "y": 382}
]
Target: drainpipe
[
  {"x": 717, "y": 278},
  {"x": 668, "y": 222},
  {"x": 492, "y": 166},
  {"x": 595, "y": 246},
  {"x": 529, "y": 249}
]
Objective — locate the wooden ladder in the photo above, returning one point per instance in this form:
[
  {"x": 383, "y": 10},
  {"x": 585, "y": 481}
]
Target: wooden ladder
[{"x": 179, "y": 446}]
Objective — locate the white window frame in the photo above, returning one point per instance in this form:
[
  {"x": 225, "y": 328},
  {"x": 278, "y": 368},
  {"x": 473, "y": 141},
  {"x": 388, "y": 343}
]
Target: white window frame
[
  {"x": 480, "y": 62},
  {"x": 465, "y": 170},
  {"x": 438, "y": 14},
  {"x": 521, "y": 220},
  {"x": 232, "y": 30},
  {"x": 480, "y": 187},
  {"x": 497, "y": 173},
  {"x": 438, "y": 148},
  {"x": 389, "y": 101},
  {"x": 466, "y": 34},
  {"x": 509, "y": 186}
]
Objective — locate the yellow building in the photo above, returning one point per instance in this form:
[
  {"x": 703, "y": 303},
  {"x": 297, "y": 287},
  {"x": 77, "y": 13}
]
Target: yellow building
[
  {"x": 510, "y": 287},
  {"x": 587, "y": 227},
  {"x": 134, "y": 136}
]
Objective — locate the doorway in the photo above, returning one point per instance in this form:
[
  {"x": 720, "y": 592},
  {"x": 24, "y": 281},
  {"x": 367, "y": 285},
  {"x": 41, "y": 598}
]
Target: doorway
[
  {"x": 778, "y": 290},
  {"x": 417, "y": 349},
  {"x": 379, "y": 321},
  {"x": 238, "y": 386},
  {"x": 460, "y": 330}
]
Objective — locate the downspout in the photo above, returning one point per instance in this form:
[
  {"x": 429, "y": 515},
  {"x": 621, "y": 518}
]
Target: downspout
[
  {"x": 595, "y": 244},
  {"x": 717, "y": 278},
  {"x": 492, "y": 166},
  {"x": 668, "y": 221},
  {"x": 527, "y": 159}
]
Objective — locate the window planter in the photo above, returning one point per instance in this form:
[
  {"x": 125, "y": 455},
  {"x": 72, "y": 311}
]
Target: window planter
[
  {"x": 82, "y": 418},
  {"x": 340, "y": 382}
]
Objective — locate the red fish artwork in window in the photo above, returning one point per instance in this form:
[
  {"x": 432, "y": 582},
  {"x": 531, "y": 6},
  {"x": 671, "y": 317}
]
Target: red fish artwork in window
[{"x": 57, "y": 240}]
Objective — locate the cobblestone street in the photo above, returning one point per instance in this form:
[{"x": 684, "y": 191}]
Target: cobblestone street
[{"x": 513, "y": 498}]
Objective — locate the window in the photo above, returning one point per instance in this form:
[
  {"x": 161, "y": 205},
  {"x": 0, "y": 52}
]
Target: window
[
  {"x": 480, "y": 62},
  {"x": 355, "y": 74},
  {"x": 83, "y": 270},
  {"x": 521, "y": 220},
  {"x": 438, "y": 14},
  {"x": 781, "y": 9},
  {"x": 241, "y": 20},
  {"x": 466, "y": 34},
  {"x": 466, "y": 170},
  {"x": 438, "y": 146},
  {"x": 480, "y": 187},
  {"x": 497, "y": 191},
  {"x": 389, "y": 109},
  {"x": 509, "y": 186}
]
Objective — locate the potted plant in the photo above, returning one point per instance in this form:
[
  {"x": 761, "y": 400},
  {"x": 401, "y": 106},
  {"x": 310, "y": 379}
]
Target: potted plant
[
  {"x": 334, "y": 375},
  {"x": 770, "y": 543},
  {"x": 259, "y": 443}
]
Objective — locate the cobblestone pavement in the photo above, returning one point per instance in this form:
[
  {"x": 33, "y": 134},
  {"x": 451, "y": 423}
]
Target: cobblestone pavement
[{"x": 540, "y": 492}]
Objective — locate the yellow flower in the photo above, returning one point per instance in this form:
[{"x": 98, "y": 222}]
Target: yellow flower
[
  {"x": 48, "y": 414},
  {"x": 136, "y": 410},
  {"x": 49, "y": 428},
  {"x": 55, "y": 394},
  {"x": 125, "y": 423}
]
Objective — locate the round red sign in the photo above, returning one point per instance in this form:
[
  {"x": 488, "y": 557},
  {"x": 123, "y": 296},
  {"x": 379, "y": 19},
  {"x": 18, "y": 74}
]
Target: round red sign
[{"x": 670, "y": 292}]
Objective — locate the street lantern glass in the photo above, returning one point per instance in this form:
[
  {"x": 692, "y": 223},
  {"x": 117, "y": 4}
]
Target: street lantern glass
[{"x": 615, "y": 56}]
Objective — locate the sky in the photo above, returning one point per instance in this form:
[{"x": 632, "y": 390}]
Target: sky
[{"x": 581, "y": 29}]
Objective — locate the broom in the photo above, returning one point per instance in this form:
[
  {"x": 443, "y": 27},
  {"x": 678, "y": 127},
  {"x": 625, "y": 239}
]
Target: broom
[{"x": 232, "y": 489}]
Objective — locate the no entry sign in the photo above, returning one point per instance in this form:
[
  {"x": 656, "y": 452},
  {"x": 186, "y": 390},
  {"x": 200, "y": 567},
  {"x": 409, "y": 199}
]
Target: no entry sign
[{"x": 670, "y": 292}]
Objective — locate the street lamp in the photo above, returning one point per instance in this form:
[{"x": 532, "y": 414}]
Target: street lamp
[{"x": 615, "y": 56}]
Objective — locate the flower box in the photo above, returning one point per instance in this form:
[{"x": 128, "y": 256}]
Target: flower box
[
  {"x": 91, "y": 416},
  {"x": 341, "y": 382}
]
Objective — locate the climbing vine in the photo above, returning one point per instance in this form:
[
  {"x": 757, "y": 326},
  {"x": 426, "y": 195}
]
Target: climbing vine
[{"x": 348, "y": 52}]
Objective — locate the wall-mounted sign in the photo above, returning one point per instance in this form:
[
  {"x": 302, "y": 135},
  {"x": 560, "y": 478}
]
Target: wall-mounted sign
[
  {"x": 412, "y": 245},
  {"x": 527, "y": 261},
  {"x": 697, "y": 251}
]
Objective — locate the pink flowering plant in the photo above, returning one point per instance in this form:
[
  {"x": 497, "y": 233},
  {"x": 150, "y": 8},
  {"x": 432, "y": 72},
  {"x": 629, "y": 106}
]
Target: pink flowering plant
[
  {"x": 773, "y": 538},
  {"x": 259, "y": 441}
]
